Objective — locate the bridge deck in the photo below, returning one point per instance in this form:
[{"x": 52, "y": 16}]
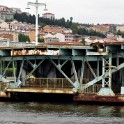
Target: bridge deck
[{"x": 40, "y": 90}]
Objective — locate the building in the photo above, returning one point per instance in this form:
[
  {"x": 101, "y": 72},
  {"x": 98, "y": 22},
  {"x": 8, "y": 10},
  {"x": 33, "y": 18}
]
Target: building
[
  {"x": 21, "y": 25},
  {"x": 51, "y": 39},
  {"x": 6, "y": 16},
  {"x": 15, "y": 10},
  {"x": 69, "y": 37},
  {"x": 9, "y": 36},
  {"x": 53, "y": 29},
  {"x": 93, "y": 39},
  {"x": 5, "y": 13},
  {"x": 60, "y": 37},
  {"x": 4, "y": 25},
  {"x": 48, "y": 16},
  {"x": 120, "y": 28},
  {"x": 32, "y": 35},
  {"x": 101, "y": 28},
  {"x": 67, "y": 30}
]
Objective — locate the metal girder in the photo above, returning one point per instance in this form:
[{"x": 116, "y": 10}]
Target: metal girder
[
  {"x": 90, "y": 68},
  {"x": 36, "y": 67},
  {"x": 14, "y": 72},
  {"x": 98, "y": 67},
  {"x": 20, "y": 70},
  {"x": 61, "y": 71},
  {"x": 76, "y": 83},
  {"x": 74, "y": 70},
  {"x": 32, "y": 65},
  {"x": 78, "y": 58},
  {"x": 7, "y": 67},
  {"x": 97, "y": 79},
  {"x": 82, "y": 70},
  {"x": 65, "y": 62}
]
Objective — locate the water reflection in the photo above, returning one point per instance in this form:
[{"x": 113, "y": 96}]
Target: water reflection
[{"x": 55, "y": 113}]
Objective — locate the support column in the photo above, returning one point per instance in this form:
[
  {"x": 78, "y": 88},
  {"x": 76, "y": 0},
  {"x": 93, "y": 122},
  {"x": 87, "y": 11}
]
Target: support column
[
  {"x": 76, "y": 83},
  {"x": 103, "y": 72},
  {"x": 98, "y": 67},
  {"x": 107, "y": 80}
]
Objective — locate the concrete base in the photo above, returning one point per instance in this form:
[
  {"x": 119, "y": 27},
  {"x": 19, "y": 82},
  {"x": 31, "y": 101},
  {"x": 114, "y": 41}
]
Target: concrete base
[
  {"x": 106, "y": 91},
  {"x": 122, "y": 90}
]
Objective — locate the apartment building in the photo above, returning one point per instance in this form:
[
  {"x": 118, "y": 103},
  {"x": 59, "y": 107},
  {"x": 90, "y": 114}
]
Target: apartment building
[
  {"x": 5, "y": 13},
  {"x": 20, "y": 25}
]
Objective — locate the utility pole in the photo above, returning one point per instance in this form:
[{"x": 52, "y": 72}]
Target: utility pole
[{"x": 36, "y": 5}]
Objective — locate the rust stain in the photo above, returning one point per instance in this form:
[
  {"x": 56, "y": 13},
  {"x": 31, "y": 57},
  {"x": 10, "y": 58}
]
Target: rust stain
[
  {"x": 106, "y": 43},
  {"x": 41, "y": 90},
  {"x": 97, "y": 98},
  {"x": 3, "y": 94}
]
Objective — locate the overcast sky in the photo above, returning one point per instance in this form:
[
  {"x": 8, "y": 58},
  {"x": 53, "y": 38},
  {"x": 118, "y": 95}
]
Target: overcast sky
[{"x": 83, "y": 11}]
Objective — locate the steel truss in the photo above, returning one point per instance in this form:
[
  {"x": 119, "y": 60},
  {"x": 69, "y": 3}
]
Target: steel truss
[{"x": 36, "y": 62}]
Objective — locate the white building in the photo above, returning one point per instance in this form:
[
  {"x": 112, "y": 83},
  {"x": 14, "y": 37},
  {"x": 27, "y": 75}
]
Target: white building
[
  {"x": 21, "y": 26},
  {"x": 4, "y": 25},
  {"x": 93, "y": 39},
  {"x": 67, "y": 30},
  {"x": 58, "y": 37},
  {"x": 120, "y": 27},
  {"x": 48, "y": 15}
]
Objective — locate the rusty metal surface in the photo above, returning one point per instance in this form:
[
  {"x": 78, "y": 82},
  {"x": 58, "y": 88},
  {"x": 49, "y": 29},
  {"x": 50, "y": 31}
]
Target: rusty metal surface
[
  {"x": 3, "y": 95},
  {"x": 98, "y": 98},
  {"x": 40, "y": 90},
  {"x": 106, "y": 43},
  {"x": 64, "y": 43}
]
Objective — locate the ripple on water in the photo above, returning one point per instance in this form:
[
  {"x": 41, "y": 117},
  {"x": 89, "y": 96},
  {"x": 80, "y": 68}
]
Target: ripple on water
[{"x": 47, "y": 113}]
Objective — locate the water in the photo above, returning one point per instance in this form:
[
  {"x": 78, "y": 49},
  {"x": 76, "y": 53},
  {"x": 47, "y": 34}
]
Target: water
[{"x": 56, "y": 113}]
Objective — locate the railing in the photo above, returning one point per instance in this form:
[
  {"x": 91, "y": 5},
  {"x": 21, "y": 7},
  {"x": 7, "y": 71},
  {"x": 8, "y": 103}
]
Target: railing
[
  {"x": 2, "y": 86},
  {"x": 15, "y": 44},
  {"x": 49, "y": 83},
  {"x": 92, "y": 89},
  {"x": 96, "y": 88},
  {"x": 59, "y": 83}
]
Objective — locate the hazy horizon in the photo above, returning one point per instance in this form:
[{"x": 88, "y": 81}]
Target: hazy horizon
[{"x": 89, "y": 11}]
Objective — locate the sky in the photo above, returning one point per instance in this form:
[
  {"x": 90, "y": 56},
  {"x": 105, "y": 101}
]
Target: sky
[{"x": 82, "y": 11}]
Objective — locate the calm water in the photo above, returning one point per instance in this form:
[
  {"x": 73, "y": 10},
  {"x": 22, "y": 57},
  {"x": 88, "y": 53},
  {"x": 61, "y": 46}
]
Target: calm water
[{"x": 55, "y": 113}]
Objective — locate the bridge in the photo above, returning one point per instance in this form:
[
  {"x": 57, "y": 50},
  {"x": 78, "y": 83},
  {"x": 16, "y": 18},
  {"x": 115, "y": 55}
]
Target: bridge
[{"x": 91, "y": 72}]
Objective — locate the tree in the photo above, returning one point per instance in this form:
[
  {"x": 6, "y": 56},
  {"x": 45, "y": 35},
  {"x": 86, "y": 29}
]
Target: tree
[
  {"x": 119, "y": 32},
  {"x": 40, "y": 40},
  {"x": 23, "y": 38},
  {"x": 74, "y": 28},
  {"x": 83, "y": 41}
]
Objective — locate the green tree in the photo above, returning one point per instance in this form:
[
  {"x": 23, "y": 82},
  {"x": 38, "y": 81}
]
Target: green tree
[
  {"x": 74, "y": 28},
  {"x": 119, "y": 32},
  {"x": 40, "y": 40},
  {"x": 23, "y": 38}
]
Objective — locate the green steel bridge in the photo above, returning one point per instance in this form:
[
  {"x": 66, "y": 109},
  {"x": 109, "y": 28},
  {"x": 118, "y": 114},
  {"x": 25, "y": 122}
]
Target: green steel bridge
[{"x": 64, "y": 68}]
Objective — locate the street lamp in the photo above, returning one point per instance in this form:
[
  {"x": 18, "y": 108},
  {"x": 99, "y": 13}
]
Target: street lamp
[{"x": 36, "y": 5}]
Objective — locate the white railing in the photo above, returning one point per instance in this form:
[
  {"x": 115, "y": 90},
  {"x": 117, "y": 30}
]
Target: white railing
[
  {"x": 15, "y": 44},
  {"x": 20, "y": 44}
]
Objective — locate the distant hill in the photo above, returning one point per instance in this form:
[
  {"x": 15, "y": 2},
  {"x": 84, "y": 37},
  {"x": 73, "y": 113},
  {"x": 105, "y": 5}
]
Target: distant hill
[{"x": 24, "y": 17}]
